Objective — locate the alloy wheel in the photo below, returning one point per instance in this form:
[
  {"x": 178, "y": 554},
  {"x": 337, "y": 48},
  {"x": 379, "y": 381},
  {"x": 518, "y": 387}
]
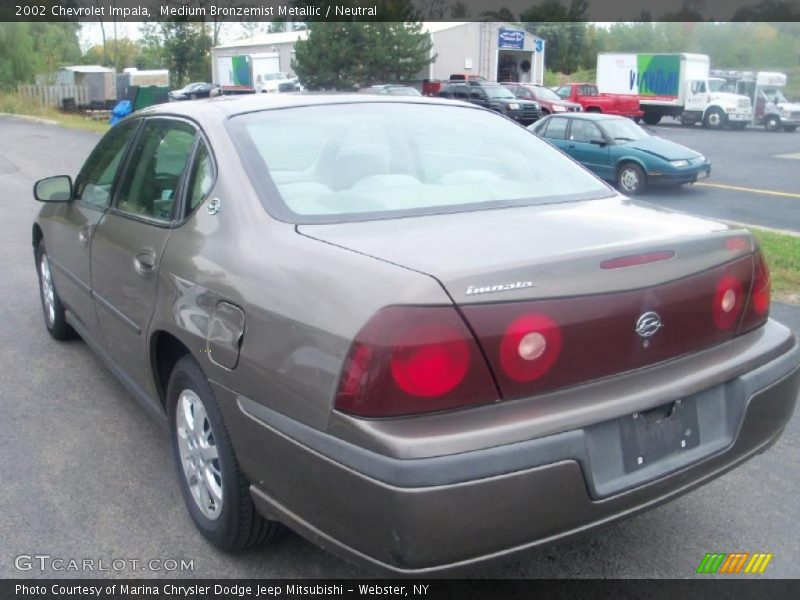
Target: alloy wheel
[
  {"x": 199, "y": 454},
  {"x": 629, "y": 180},
  {"x": 48, "y": 293}
]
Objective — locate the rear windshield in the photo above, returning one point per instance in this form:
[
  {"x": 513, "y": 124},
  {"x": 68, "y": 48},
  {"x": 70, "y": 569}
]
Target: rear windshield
[{"x": 360, "y": 161}]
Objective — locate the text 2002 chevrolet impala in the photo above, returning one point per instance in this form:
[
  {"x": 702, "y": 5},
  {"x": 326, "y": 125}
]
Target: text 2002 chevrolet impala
[{"x": 407, "y": 327}]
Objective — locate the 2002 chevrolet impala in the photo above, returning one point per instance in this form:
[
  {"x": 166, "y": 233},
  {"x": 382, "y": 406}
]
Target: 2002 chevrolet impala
[{"x": 406, "y": 327}]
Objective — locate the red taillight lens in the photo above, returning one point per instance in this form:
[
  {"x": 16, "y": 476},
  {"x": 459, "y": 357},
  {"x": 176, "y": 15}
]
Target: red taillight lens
[
  {"x": 410, "y": 360},
  {"x": 429, "y": 361},
  {"x": 758, "y": 307},
  {"x": 530, "y": 346},
  {"x": 726, "y": 307}
]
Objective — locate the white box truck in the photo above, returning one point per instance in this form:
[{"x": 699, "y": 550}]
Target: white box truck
[
  {"x": 765, "y": 90},
  {"x": 674, "y": 85},
  {"x": 248, "y": 73}
]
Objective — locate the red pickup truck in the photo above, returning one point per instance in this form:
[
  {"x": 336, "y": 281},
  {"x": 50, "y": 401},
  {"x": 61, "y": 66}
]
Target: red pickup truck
[{"x": 591, "y": 100}]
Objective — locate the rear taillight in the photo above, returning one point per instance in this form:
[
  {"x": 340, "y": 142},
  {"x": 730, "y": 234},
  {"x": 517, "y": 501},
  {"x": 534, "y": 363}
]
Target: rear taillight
[
  {"x": 410, "y": 360},
  {"x": 758, "y": 306}
]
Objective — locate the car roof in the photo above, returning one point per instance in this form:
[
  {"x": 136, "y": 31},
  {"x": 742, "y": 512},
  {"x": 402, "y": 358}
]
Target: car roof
[
  {"x": 222, "y": 107},
  {"x": 588, "y": 116}
]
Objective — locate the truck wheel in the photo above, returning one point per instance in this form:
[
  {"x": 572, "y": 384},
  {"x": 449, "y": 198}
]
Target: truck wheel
[
  {"x": 772, "y": 123},
  {"x": 215, "y": 490},
  {"x": 631, "y": 179},
  {"x": 789, "y": 128},
  {"x": 715, "y": 119},
  {"x": 651, "y": 118}
]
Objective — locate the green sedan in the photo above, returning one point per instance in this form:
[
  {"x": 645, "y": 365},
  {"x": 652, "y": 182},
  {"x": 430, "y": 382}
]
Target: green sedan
[{"x": 618, "y": 150}]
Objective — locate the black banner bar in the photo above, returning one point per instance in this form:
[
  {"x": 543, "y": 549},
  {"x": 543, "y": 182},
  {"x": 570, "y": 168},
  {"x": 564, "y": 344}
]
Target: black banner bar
[
  {"x": 400, "y": 10},
  {"x": 732, "y": 588}
]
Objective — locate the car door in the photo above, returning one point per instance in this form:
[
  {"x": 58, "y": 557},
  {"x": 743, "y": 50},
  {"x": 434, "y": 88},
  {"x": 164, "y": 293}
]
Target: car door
[
  {"x": 128, "y": 243},
  {"x": 69, "y": 235},
  {"x": 696, "y": 95},
  {"x": 580, "y": 146}
]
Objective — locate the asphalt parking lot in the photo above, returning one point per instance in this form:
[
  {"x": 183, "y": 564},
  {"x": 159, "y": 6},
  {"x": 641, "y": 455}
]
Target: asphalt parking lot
[{"x": 86, "y": 474}]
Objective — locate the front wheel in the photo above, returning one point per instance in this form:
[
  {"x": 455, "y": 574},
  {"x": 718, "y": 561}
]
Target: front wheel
[
  {"x": 789, "y": 128},
  {"x": 631, "y": 179},
  {"x": 55, "y": 318},
  {"x": 772, "y": 124},
  {"x": 715, "y": 119},
  {"x": 216, "y": 492}
]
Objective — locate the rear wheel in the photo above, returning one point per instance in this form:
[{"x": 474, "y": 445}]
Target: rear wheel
[
  {"x": 55, "y": 319},
  {"x": 631, "y": 179},
  {"x": 715, "y": 119},
  {"x": 651, "y": 118},
  {"x": 216, "y": 492},
  {"x": 772, "y": 124}
]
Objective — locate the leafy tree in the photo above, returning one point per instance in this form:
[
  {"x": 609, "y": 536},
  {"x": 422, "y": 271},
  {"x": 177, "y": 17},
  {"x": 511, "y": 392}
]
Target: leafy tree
[
  {"x": 119, "y": 54},
  {"x": 342, "y": 56},
  {"x": 459, "y": 10},
  {"x": 563, "y": 29},
  {"x": 28, "y": 49},
  {"x": 187, "y": 49}
]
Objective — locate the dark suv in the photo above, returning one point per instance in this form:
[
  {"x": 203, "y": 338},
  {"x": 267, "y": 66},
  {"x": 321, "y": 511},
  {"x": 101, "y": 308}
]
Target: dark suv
[{"x": 495, "y": 97}]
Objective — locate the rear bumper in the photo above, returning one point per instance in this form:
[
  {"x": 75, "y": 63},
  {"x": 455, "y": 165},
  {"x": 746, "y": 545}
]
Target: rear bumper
[{"x": 426, "y": 515}]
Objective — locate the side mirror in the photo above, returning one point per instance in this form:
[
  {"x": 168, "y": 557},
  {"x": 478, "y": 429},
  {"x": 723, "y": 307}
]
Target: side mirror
[
  {"x": 53, "y": 189},
  {"x": 598, "y": 141}
]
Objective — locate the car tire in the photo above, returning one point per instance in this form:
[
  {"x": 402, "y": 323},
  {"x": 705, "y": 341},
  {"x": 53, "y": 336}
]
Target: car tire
[
  {"x": 789, "y": 128},
  {"x": 715, "y": 119},
  {"x": 55, "y": 318},
  {"x": 216, "y": 492},
  {"x": 631, "y": 179},
  {"x": 650, "y": 118}
]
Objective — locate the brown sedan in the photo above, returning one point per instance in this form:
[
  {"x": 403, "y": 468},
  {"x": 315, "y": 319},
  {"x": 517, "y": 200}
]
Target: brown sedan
[{"x": 408, "y": 328}]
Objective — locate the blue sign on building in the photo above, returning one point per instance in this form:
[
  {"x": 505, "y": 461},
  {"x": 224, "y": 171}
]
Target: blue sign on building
[{"x": 511, "y": 38}]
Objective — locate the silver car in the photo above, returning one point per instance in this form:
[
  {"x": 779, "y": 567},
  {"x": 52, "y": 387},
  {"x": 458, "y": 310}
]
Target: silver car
[{"x": 408, "y": 328}]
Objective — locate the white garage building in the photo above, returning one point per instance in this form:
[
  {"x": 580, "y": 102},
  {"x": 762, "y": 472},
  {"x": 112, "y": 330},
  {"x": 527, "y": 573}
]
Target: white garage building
[{"x": 496, "y": 51}]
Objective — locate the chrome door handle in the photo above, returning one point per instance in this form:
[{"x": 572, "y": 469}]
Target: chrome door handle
[{"x": 144, "y": 263}]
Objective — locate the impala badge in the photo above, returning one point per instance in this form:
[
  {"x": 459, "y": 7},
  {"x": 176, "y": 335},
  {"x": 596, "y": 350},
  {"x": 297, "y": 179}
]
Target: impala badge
[{"x": 648, "y": 324}]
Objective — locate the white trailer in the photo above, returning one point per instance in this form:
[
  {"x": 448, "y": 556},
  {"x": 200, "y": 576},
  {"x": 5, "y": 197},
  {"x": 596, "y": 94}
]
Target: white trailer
[{"x": 674, "y": 85}]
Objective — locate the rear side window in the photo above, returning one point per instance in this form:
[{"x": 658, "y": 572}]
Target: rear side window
[
  {"x": 460, "y": 92},
  {"x": 93, "y": 186},
  {"x": 356, "y": 161},
  {"x": 201, "y": 178},
  {"x": 152, "y": 179},
  {"x": 556, "y": 129}
]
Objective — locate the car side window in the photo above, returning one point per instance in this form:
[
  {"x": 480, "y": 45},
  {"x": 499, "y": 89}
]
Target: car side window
[
  {"x": 201, "y": 178},
  {"x": 588, "y": 90},
  {"x": 584, "y": 131},
  {"x": 460, "y": 92},
  {"x": 93, "y": 185},
  {"x": 477, "y": 94},
  {"x": 153, "y": 176},
  {"x": 524, "y": 93},
  {"x": 556, "y": 129}
]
